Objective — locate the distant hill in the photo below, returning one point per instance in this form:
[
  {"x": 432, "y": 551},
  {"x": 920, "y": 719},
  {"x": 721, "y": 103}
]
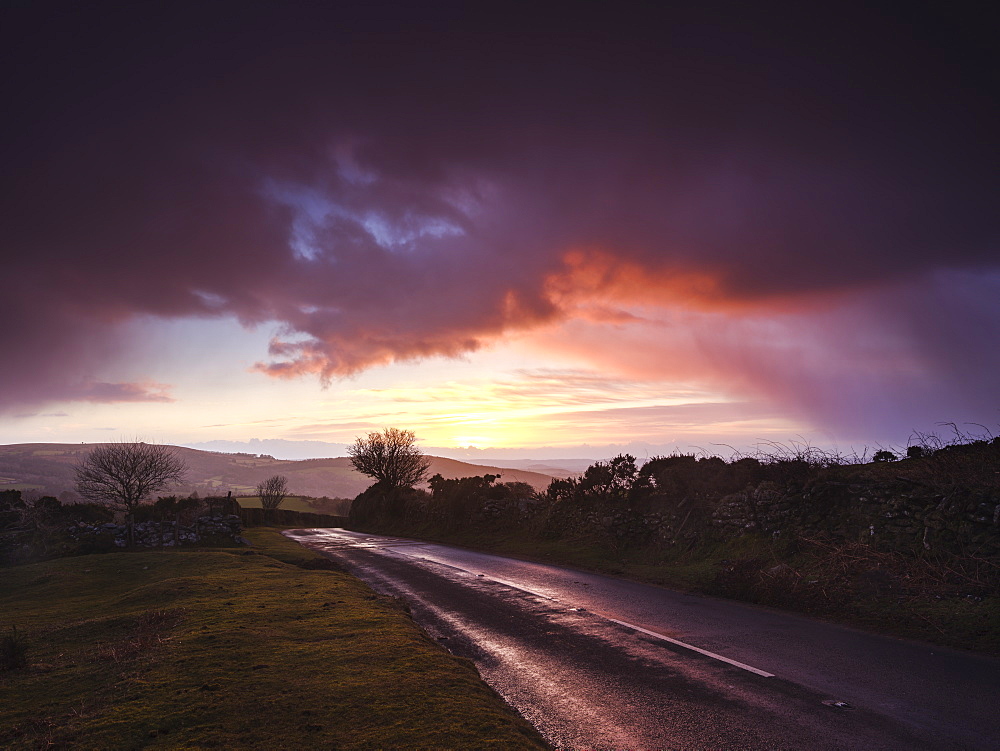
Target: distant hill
[
  {"x": 48, "y": 468},
  {"x": 561, "y": 468},
  {"x": 281, "y": 448}
]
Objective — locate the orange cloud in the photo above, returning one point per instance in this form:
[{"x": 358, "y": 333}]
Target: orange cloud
[
  {"x": 592, "y": 280},
  {"x": 599, "y": 285}
]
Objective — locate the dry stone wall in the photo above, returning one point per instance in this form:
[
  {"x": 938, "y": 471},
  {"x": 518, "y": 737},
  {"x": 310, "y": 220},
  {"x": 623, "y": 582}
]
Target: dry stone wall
[
  {"x": 891, "y": 516},
  {"x": 163, "y": 534}
]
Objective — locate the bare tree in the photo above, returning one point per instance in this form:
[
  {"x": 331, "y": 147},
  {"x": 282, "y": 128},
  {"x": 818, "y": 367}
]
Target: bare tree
[
  {"x": 124, "y": 474},
  {"x": 272, "y": 491},
  {"x": 391, "y": 457}
]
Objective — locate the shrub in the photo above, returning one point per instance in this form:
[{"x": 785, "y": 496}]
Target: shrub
[{"x": 13, "y": 652}]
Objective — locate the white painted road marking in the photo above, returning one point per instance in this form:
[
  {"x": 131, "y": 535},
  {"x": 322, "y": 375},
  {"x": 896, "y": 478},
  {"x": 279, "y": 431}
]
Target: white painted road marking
[
  {"x": 664, "y": 637},
  {"x": 699, "y": 650}
]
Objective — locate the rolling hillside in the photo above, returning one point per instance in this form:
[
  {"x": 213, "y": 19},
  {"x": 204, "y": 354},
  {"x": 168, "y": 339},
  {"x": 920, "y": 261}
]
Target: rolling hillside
[{"x": 48, "y": 468}]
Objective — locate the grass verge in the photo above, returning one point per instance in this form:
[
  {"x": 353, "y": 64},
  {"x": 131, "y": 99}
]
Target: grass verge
[{"x": 230, "y": 649}]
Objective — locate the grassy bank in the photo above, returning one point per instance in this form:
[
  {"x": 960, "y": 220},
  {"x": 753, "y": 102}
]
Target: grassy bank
[
  {"x": 849, "y": 583},
  {"x": 230, "y": 649}
]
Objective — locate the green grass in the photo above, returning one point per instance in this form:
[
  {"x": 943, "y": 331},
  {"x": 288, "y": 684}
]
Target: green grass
[
  {"x": 290, "y": 503},
  {"x": 230, "y": 649}
]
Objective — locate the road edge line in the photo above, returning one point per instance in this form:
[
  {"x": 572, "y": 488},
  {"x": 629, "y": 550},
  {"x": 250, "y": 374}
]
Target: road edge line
[{"x": 699, "y": 650}]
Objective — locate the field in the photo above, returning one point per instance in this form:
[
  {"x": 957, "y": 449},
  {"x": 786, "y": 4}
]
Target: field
[
  {"x": 291, "y": 503},
  {"x": 229, "y": 649}
]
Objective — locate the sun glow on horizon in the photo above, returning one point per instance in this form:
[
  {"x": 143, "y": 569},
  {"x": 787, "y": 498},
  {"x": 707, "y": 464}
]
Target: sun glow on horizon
[
  {"x": 491, "y": 400},
  {"x": 536, "y": 408},
  {"x": 473, "y": 442}
]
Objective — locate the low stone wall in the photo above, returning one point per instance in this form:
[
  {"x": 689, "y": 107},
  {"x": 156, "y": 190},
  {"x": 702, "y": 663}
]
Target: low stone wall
[
  {"x": 163, "y": 534},
  {"x": 889, "y": 515}
]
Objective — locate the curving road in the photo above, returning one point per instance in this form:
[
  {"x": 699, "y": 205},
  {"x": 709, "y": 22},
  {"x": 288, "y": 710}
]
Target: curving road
[{"x": 601, "y": 663}]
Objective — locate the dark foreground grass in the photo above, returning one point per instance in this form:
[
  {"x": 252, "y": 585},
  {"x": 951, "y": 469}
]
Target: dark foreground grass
[
  {"x": 850, "y": 584},
  {"x": 230, "y": 649}
]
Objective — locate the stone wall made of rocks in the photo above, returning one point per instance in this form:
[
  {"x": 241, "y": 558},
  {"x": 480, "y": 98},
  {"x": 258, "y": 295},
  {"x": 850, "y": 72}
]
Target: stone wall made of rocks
[
  {"x": 890, "y": 516},
  {"x": 157, "y": 534}
]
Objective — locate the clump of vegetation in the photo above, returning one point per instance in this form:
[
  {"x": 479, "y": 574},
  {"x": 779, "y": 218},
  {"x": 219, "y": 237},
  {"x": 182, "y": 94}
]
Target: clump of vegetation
[
  {"x": 483, "y": 500},
  {"x": 13, "y": 651}
]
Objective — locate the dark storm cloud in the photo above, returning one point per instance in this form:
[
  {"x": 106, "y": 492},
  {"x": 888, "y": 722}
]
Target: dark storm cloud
[{"x": 391, "y": 183}]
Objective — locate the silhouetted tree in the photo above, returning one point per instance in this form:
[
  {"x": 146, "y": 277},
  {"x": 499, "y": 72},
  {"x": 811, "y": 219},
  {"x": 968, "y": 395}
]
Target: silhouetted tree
[
  {"x": 391, "y": 457},
  {"x": 125, "y": 474},
  {"x": 272, "y": 491},
  {"x": 883, "y": 456}
]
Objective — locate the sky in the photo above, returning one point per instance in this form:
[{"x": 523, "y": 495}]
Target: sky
[{"x": 560, "y": 228}]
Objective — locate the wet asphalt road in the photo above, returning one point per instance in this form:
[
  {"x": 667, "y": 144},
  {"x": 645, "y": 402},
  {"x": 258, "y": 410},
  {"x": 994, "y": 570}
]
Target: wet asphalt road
[{"x": 601, "y": 663}]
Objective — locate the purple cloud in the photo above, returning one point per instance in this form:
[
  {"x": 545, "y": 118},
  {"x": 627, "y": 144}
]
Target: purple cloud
[{"x": 393, "y": 186}]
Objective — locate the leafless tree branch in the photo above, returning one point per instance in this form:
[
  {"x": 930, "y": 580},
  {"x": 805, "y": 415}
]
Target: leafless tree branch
[
  {"x": 126, "y": 473},
  {"x": 272, "y": 491},
  {"x": 391, "y": 457}
]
